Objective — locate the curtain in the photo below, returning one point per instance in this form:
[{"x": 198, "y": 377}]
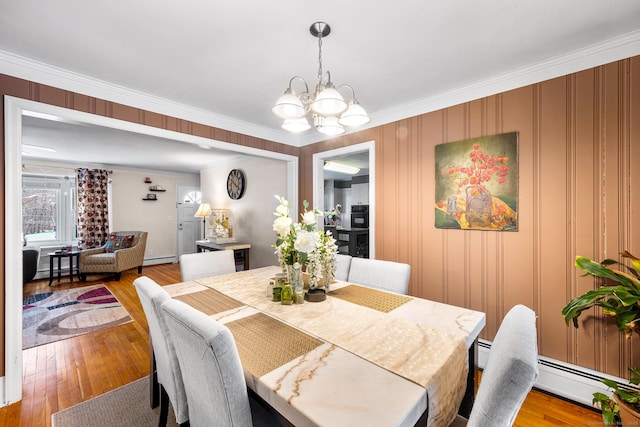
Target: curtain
[{"x": 93, "y": 209}]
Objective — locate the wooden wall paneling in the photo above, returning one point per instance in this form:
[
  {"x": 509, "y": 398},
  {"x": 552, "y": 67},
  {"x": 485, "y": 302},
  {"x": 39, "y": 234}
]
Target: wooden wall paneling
[
  {"x": 387, "y": 198},
  {"x": 413, "y": 227},
  {"x": 423, "y": 206},
  {"x": 456, "y": 253},
  {"x": 555, "y": 265},
  {"x": 585, "y": 175},
  {"x": 612, "y": 202},
  {"x": 431, "y": 278},
  {"x": 514, "y": 251},
  {"x": 492, "y": 283},
  {"x": 305, "y": 171},
  {"x": 406, "y": 190},
  {"x": 82, "y": 103},
  {"x": 478, "y": 259},
  {"x": 633, "y": 160},
  {"x": 49, "y": 95}
]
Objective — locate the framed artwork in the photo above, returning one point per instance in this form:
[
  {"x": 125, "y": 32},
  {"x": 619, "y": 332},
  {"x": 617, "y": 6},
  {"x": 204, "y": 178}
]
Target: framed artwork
[{"x": 477, "y": 183}]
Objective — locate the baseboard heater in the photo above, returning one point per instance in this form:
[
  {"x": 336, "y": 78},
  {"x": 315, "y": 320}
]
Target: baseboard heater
[{"x": 567, "y": 381}]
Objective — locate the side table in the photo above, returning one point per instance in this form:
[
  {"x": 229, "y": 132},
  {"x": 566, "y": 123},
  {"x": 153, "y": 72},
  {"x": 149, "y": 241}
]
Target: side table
[
  {"x": 240, "y": 251},
  {"x": 59, "y": 255}
]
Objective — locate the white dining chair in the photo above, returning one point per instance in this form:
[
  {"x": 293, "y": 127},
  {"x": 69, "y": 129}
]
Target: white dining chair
[
  {"x": 211, "y": 368},
  {"x": 343, "y": 264},
  {"x": 510, "y": 373},
  {"x": 169, "y": 375},
  {"x": 206, "y": 264},
  {"x": 386, "y": 275}
]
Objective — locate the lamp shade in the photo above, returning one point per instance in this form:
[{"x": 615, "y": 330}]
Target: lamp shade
[
  {"x": 289, "y": 106},
  {"x": 329, "y": 126},
  {"x": 328, "y": 102},
  {"x": 204, "y": 210},
  {"x": 296, "y": 125},
  {"x": 354, "y": 116}
]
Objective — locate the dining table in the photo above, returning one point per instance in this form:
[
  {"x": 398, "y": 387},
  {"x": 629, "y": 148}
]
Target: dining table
[{"x": 362, "y": 356}]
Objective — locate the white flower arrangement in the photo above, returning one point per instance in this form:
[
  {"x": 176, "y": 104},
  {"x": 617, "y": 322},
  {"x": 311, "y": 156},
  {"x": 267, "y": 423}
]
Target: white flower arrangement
[{"x": 303, "y": 242}]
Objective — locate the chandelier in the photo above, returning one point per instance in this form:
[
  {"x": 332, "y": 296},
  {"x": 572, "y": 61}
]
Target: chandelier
[{"x": 326, "y": 106}]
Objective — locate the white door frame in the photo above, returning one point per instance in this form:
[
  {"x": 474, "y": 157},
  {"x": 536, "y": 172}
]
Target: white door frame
[
  {"x": 11, "y": 383},
  {"x": 318, "y": 183},
  {"x": 180, "y": 227}
]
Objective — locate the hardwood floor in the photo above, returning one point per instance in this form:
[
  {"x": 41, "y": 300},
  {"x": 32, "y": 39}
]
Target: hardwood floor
[{"x": 67, "y": 372}]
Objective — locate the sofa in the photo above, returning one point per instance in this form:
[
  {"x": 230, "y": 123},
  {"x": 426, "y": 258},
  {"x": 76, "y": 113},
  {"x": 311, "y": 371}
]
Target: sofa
[
  {"x": 124, "y": 250},
  {"x": 30, "y": 260}
]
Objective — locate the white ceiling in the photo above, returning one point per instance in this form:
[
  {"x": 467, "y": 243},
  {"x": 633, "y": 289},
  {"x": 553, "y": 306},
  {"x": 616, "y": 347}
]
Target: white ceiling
[{"x": 225, "y": 63}]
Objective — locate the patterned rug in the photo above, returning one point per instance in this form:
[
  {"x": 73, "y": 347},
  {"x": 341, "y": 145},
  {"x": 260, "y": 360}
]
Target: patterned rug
[{"x": 56, "y": 315}]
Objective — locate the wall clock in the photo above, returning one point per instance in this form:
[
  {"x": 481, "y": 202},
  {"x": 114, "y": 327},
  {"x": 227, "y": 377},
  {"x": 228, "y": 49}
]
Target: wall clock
[{"x": 235, "y": 184}]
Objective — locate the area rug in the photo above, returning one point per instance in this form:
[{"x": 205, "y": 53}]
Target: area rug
[
  {"x": 56, "y": 315},
  {"x": 123, "y": 407}
]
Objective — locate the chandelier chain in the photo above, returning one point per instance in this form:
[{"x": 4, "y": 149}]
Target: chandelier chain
[{"x": 320, "y": 58}]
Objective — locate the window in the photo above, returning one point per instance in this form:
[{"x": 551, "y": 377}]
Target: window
[
  {"x": 48, "y": 209},
  {"x": 193, "y": 197}
]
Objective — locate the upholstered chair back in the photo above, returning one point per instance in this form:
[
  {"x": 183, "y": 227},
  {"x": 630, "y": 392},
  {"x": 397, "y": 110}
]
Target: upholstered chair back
[
  {"x": 510, "y": 373},
  {"x": 211, "y": 368},
  {"x": 152, "y": 296},
  {"x": 343, "y": 264},
  {"x": 206, "y": 264},
  {"x": 386, "y": 275}
]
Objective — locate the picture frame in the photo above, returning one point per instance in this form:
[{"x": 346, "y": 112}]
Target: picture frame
[
  {"x": 151, "y": 196},
  {"x": 476, "y": 183}
]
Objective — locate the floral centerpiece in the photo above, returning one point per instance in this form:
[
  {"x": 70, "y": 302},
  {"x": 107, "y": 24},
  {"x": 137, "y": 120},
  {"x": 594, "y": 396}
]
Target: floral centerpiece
[{"x": 302, "y": 243}]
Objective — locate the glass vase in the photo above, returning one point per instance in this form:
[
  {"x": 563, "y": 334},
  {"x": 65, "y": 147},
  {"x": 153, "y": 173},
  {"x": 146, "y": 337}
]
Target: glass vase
[{"x": 328, "y": 274}]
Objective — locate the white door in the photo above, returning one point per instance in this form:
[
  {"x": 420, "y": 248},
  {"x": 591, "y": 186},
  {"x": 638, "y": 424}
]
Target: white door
[{"x": 189, "y": 227}]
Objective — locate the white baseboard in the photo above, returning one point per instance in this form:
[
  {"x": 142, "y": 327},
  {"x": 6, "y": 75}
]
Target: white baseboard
[
  {"x": 160, "y": 260},
  {"x": 3, "y": 401},
  {"x": 571, "y": 382}
]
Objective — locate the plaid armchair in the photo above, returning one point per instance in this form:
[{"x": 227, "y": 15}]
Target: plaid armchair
[{"x": 123, "y": 251}]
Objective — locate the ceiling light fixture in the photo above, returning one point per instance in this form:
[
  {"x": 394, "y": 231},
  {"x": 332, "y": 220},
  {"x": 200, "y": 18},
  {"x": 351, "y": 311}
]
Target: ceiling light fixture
[
  {"x": 329, "y": 111},
  {"x": 340, "y": 167},
  {"x": 37, "y": 148}
]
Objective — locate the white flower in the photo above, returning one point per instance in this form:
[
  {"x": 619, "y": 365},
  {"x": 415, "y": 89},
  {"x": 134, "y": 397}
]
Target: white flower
[
  {"x": 309, "y": 217},
  {"x": 282, "y": 225},
  {"x": 281, "y": 210},
  {"x": 306, "y": 241}
]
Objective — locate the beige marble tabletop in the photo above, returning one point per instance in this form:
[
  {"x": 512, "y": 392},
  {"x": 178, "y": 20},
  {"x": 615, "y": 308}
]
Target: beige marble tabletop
[{"x": 372, "y": 368}]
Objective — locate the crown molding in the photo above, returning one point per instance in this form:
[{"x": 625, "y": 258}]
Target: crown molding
[
  {"x": 604, "y": 52},
  {"x": 28, "y": 69}
]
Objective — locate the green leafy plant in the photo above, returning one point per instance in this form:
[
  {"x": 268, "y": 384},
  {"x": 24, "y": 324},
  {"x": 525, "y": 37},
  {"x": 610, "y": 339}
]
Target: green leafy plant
[{"x": 619, "y": 297}]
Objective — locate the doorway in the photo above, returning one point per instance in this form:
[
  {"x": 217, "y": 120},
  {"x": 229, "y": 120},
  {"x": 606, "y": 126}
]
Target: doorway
[
  {"x": 319, "y": 190},
  {"x": 189, "y": 227},
  {"x": 11, "y": 383}
]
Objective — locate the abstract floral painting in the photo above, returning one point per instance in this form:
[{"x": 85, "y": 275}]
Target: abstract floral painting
[{"x": 477, "y": 183}]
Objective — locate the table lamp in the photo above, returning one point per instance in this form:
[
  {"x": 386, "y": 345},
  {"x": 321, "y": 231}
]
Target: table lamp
[{"x": 204, "y": 211}]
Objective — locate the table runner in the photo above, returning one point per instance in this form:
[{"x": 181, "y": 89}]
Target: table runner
[
  {"x": 372, "y": 298},
  {"x": 209, "y": 301},
  {"x": 429, "y": 357},
  {"x": 265, "y": 343}
]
